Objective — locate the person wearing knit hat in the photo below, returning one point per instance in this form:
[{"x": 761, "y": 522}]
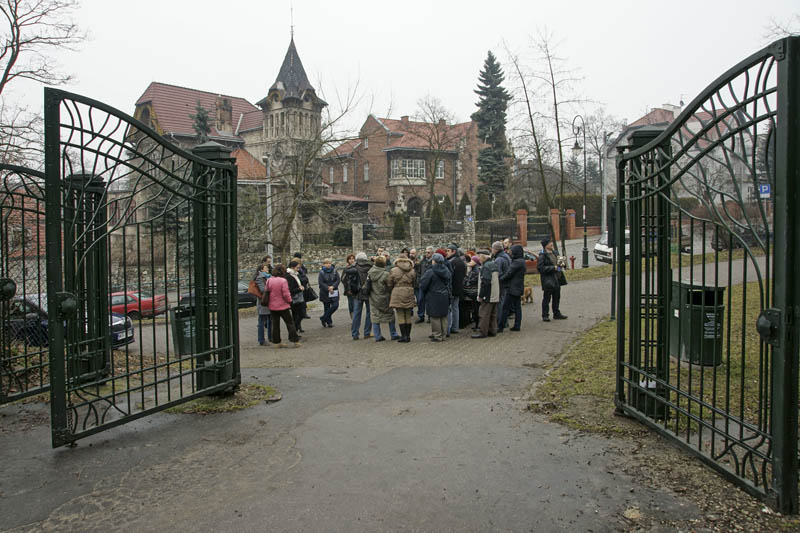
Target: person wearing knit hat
[
  {"x": 379, "y": 297},
  {"x": 357, "y": 286},
  {"x": 552, "y": 279},
  {"x": 503, "y": 262},
  {"x": 471, "y": 290},
  {"x": 436, "y": 285}
]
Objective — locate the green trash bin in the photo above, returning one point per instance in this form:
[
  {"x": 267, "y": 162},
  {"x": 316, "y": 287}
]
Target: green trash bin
[
  {"x": 696, "y": 320},
  {"x": 183, "y": 330}
]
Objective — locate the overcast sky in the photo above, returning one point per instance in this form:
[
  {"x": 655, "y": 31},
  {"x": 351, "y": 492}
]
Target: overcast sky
[{"x": 631, "y": 55}]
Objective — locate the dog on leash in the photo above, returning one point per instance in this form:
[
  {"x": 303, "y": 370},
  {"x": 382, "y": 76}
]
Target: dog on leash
[{"x": 527, "y": 296}]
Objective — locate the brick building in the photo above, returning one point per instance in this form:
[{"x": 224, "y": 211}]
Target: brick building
[{"x": 393, "y": 164}]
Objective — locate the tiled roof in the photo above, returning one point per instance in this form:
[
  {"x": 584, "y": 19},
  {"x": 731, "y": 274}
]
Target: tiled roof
[
  {"x": 250, "y": 168},
  {"x": 344, "y": 149},
  {"x": 172, "y": 106},
  {"x": 292, "y": 77},
  {"x": 419, "y": 135},
  {"x": 655, "y": 116}
]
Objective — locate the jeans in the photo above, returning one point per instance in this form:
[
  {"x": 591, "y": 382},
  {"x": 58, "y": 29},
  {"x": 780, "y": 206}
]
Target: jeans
[
  {"x": 453, "y": 316},
  {"x": 330, "y": 307},
  {"x": 555, "y": 295},
  {"x": 420, "y": 303},
  {"x": 350, "y": 305},
  {"x": 511, "y": 302},
  {"x": 500, "y": 323},
  {"x": 376, "y": 330},
  {"x": 358, "y": 307},
  {"x": 264, "y": 321}
]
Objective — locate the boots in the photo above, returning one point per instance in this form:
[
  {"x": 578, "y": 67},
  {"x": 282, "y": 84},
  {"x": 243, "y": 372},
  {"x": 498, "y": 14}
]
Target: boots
[{"x": 405, "y": 332}]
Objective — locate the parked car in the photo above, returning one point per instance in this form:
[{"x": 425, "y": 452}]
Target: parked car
[
  {"x": 245, "y": 298},
  {"x": 603, "y": 252},
  {"x": 531, "y": 261},
  {"x": 27, "y": 322},
  {"x": 746, "y": 237},
  {"x": 138, "y": 304}
]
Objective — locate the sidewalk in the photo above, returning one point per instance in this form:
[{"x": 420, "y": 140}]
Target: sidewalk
[{"x": 368, "y": 437}]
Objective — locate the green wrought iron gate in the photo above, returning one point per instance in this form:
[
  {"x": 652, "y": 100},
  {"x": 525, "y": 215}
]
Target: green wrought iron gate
[
  {"x": 708, "y": 352},
  {"x": 23, "y": 338},
  {"x": 133, "y": 225}
]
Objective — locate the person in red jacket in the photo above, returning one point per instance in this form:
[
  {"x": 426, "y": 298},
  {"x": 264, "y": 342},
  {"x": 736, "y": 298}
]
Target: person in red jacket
[{"x": 280, "y": 304}]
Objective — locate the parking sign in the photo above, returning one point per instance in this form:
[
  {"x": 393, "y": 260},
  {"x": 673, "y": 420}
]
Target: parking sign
[{"x": 764, "y": 190}]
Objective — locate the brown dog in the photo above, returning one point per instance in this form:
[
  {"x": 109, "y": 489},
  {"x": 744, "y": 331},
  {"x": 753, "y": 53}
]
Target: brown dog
[{"x": 527, "y": 295}]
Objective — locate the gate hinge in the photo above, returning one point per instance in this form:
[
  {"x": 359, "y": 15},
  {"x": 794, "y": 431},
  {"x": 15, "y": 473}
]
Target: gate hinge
[
  {"x": 768, "y": 326},
  {"x": 779, "y": 50},
  {"x": 67, "y": 304}
]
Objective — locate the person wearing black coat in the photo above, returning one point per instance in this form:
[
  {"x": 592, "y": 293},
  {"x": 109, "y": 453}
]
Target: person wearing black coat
[
  {"x": 503, "y": 262},
  {"x": 550, "y": 273},
  {"x": 514, "y": 280},
  {"x": 436, "y": 286},
  {"x": 328, "y": 281},
  {"x": 459, "y": 269},
  {"x": 421, "y": 267}
]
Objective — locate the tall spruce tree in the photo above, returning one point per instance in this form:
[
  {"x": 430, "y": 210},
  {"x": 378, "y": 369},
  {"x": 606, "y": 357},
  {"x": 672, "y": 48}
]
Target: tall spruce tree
[
  {"x": 491, "y": 120},
  {"x": 200, "y": 123}
]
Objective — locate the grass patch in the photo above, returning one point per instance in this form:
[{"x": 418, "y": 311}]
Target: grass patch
[{"x": 248, "y": 395}]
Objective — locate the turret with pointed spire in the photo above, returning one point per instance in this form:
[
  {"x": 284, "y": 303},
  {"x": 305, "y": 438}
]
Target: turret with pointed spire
[{"x": 292, "y": 108}]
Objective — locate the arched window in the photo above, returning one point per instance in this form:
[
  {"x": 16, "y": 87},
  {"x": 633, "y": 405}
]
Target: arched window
[{"x": 414, "y": 207}]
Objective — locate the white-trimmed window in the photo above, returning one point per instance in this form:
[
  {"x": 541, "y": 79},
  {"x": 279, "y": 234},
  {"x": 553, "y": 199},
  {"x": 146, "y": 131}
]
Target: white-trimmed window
[
  {"x": 408, "y": 168},
  {"x": 330, "y": 174},
  {"x": 344, "y": 173},
  {"x": 366, "y": 171},
  {"x": 440, "y": 170},
  {"x": 366, "y": 143}
]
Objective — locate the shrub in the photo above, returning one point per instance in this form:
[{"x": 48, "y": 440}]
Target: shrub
[
  {"x": 343, "y": 236},
  {"x": 399, "y": 231},
  {"x": 437, "y": 219}
]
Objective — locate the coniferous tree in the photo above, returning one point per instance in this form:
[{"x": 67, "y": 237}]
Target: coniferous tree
[
  {"x": 500, "y": 207},
  {"x": 491, "y": 120},
  {"x": 200, "y": 123},
  {"x": 399, "y": 231},
  {"x": 437, "y": 219},
  {"x": 447, "y": 208},
  {"x": 483, "y": 206}
]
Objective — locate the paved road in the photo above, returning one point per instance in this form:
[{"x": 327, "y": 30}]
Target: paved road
[{"x": 368, "y": 437}]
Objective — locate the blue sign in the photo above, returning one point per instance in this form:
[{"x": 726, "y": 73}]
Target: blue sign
[{"x": 764, "y": 190}]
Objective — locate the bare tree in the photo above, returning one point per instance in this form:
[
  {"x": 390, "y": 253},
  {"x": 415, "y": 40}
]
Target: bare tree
[
  {"x": 780, "y": 29},
  {"x": 33, "y": 31}
]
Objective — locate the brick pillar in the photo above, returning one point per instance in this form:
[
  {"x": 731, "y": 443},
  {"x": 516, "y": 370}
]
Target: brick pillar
[
  {"x": 358, "y": 238},
  {"x": 469, "y": 234},
  {"x": 571, "y": 233},
  {"x": 555, "y": 221},
  {"x": 416, "y": 232},
  {"x": 522, "y": 224}
]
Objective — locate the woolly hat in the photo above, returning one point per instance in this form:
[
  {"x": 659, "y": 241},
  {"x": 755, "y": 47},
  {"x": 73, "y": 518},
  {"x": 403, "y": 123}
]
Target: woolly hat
[
  {"x": 545, "y": 242},
  {"x": 439, "y": 258},
  {"x": 361, "y": 255},
  {"x": 497, "y": 246},
  {"x": 441, "y": 251},
  {"x": 475, "y": 259},
  {"x": 380, "y": 261},
  {"x": 453, "y": 247},
  {"x": 298, "y": 255}
]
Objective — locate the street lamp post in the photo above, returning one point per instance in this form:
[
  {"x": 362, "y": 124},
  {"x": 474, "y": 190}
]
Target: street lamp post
[{"x": 576, "y": 150}]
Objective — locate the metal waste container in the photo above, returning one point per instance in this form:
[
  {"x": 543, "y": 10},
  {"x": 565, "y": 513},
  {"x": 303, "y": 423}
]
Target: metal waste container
[
  {"x": 183, "y": 329},
  {"x": 696, "y": 320}
]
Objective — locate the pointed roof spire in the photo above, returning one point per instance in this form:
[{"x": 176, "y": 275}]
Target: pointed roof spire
[{"x": 292, "y": 77}]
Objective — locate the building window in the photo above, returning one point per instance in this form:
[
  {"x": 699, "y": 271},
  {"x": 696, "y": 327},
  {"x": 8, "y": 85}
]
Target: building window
[
  {"x": 366, "y": 143},
  {"x": 440, "y": 170},
  {"x": 344, "y": 173},
  {"x": 408, "y": 168},
  {"x": 330, "y": 174},
  {"x": 366, "y": 171}
]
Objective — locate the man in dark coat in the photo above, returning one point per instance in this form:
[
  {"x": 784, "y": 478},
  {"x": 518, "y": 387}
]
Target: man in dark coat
[
  {"x": 550, "y": 272},
  {"x": 503, "y": 262},
  {"x": 436, "y": 287},
  {"x": 514, "y": 280},
  {"x": 328, "y": 282},
  {"x": 302, "y": 272},
  {"x": 421, "y": 266},
  {"x": 459, "y": 269},
  {"x": 358, "y": 286}
]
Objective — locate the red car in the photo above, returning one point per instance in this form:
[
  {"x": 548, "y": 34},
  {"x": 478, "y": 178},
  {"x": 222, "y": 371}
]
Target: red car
[{"x": 136, "y": 305}]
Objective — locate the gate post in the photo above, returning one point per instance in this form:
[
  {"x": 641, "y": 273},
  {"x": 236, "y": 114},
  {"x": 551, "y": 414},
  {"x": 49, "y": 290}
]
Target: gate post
[
  {"x": 416, "y": 232},
  {"x": 469, "y": 234},
  {"x": 219, "y": 186},
  {"x": 522, "y": 225},
  {"x": 358, "y": 238},
  {"x": 787, "y": 286}
]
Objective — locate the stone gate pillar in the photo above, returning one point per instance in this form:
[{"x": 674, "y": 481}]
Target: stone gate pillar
[
  {"x": 469, "y": 234},
  {"x": 556, "y": 222},
  {"x": 358, "y": 238},
  {"x": 416, "y": 232},
  {"x": 522, "y": 224}
]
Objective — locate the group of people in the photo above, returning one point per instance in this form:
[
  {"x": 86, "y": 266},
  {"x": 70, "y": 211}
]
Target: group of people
[{"x": 449, "y": 288}]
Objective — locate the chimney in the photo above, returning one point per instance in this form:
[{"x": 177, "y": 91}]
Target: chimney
[
  {"x": 224, "y": 119},
  {"x": 404, "y": 120},
  {"x": 442, "y": 123}
]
